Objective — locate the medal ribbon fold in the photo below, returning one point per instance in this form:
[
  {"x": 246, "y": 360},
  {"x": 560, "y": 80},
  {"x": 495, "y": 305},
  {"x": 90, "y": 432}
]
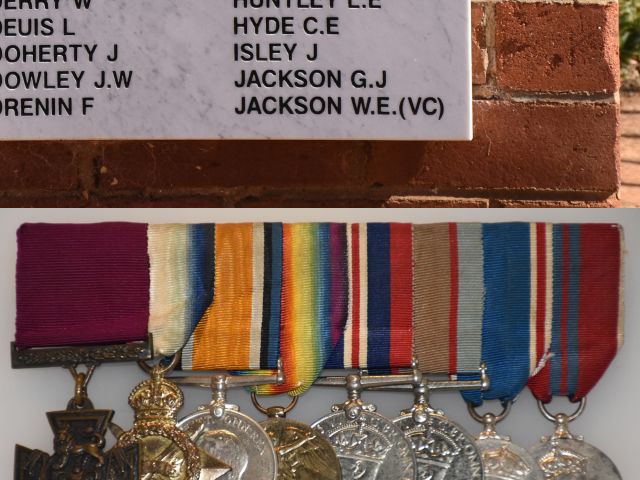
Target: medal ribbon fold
[
  {"x": 181, "y": 271},
  {"x": 528, "y": 300},
  {"x": 229, "y": 334},
  {"x": 582, "y": 330},
  {"x": 280, "y": 291},
  {"x": 499, "y": 294},
  {"x": 379, "y": 330}
]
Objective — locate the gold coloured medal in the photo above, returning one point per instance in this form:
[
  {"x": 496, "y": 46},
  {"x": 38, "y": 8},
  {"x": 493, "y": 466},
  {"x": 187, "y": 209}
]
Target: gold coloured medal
[
  {"x": 166, "y": 451},
  {"x": 303, "y": 453}
]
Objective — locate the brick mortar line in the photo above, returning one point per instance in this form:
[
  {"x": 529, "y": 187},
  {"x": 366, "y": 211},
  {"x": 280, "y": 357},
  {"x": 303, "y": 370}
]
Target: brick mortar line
[
  {"x": 481, "y": 92},
  {"x": 374, "y": 192},
  {"x": 490, "y": 41},
  {"x": 354, "y": 193}
]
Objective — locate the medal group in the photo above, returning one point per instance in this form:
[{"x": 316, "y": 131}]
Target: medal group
[{"x": 486, "y": 309}]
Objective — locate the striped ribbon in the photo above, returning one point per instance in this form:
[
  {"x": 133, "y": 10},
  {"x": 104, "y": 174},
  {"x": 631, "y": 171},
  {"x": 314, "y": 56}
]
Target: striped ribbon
[
  {"x": 379, "y": 329},
  {"x": 181, "y": 271},
  {"x": 280, "y": 291},
  {"x": 489, "y": 293},
  {"x": 240, "y": 328},
  {"x": 471, "y": 287},
  {"x": 527, "y": 299},
  {"x": 314, "y": 302},
  {"x": 112, "y": 283},
  {"x": 578, "y": 325}
]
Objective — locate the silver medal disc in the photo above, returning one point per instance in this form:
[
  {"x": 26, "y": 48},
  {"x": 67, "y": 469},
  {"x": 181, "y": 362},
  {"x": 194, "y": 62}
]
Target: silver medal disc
[
  {"x": 573, "y": 459},
  {"x": 236, "y": 440},
  {"x": 443, "y": 449},
  {"x": 504, "y": 460},
  {"x": 370, "y": 447}
]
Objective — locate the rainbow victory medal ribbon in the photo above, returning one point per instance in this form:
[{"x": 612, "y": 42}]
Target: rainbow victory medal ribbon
[
  {"x": 476, "y": 293},
  {"x": 379, "y": 329},
  {"x": 112, "y": 282},
  {"x": 578, "y": 317},
  {"x": 280, "y": 291}
]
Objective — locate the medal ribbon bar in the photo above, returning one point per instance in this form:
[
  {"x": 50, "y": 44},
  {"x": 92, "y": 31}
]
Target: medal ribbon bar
[
  {"x": 354, "y": 289},
  {"x": 528, "y": 301}
]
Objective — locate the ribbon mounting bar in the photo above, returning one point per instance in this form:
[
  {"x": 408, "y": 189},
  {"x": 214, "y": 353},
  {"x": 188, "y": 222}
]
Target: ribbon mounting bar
[
  {"x": 408, "y": 382},
  {"x": 220, "y": 382},
  {"x": 75, "y": 355}
]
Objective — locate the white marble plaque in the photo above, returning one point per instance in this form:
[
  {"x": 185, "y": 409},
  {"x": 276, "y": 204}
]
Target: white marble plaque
[{"x": 237, "y": 69}]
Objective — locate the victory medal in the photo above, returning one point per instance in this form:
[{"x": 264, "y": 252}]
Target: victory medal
[{"x": 303, "y": 453}]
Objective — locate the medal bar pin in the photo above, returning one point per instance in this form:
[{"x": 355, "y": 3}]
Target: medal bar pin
[
  {"x": 220, "y": 383},
  {"x": 219, "y": 380},
  {"x": 406, "y": 381},
  {"x": 67, "y": 356},
  {"x": 482, "y": 384}
]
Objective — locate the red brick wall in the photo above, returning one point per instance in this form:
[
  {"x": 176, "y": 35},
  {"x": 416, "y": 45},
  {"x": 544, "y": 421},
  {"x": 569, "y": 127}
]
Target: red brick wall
[{"x": 546, "y": 120}]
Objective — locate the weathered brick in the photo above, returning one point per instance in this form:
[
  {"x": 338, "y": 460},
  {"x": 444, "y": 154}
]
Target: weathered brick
[
  {"x": 550, "y": 47},
  {"x": 609, "y": 203},
  {"x": 168, "y": 165},
  {"x": 396, "y": 201},
  {"x": 526, "y": 153},
  {"x": 517, "y": 146},
  {"x": 37, "y": 166},
  {"x": 307, "y": 200},
  {"x": 479, "y": 44},
  {"x": 436, "y": 202}
]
